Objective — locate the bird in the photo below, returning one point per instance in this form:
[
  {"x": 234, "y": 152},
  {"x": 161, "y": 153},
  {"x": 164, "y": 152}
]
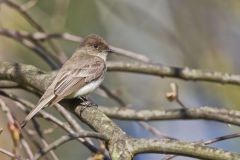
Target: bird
[{"x": 79, "y": 76}]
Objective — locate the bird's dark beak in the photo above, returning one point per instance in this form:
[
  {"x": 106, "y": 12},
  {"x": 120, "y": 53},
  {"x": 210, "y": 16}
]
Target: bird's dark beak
[{"x": 110, "y": 50}]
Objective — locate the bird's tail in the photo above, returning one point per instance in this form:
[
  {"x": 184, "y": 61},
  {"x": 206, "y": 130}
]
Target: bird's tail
[{"x": 40, "y": 106}]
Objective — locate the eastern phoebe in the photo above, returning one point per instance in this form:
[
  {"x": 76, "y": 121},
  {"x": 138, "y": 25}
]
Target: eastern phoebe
[{"x": 79, "y": 75}]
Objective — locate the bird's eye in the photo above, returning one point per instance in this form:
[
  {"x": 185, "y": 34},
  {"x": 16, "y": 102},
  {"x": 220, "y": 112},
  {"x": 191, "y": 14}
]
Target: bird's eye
[{"x": 95, "y": 46}]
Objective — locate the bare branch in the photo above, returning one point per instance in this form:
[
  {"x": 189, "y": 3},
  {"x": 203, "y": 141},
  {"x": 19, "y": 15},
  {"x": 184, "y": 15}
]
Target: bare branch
[
  {"x": 71, "y": 121},
  {"x": 26, "y": 148},
  {"x": 41, "y": 36},
  {"x": 130, "y": 54},
  {"x": 24, "y": 14},
  {"x": 153, "y": 130},
  {"x": 36, "y": 25},
  {"x": 221, "y": 138},
  {"x": 8, "y": 153},
  {"x": 70, "y": 37},
  {"x": 111, "y": 95},
  {"x": 215, "y": 140},
  {"x": 65, "y": 139},
  {"x": 175, "y": 72},
  {"x": 34, "y": 46},
  {"x": 42, "y": 138},
  {"x": 207, "y": 113},
  {"x": 29, "y": 4},
  {"x": 168, "y": 146},
  {"x": 173, "y": 95}
]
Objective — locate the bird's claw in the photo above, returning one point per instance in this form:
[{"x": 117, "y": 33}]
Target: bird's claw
[{"x": 87, "y": 104}]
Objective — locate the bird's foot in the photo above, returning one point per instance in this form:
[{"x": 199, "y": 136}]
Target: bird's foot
[
  {"x": 89, "y": 104},
  {"x": 83, "y": 98},
  {"x": 86, "y": 103}
]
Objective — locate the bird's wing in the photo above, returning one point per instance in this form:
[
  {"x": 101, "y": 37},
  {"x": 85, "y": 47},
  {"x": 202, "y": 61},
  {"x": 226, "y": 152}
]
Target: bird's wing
[{"x": 73, "y": 79}]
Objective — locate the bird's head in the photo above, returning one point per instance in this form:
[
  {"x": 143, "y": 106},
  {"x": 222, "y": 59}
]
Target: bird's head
[{"x": 97, "y": 44}]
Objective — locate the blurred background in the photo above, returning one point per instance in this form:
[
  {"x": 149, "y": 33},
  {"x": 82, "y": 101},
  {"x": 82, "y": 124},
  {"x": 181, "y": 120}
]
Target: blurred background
[{"x": 199, "y": 34}]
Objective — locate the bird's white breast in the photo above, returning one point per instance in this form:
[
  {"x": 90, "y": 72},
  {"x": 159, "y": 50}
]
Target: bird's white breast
[{"x": 88, "y": 88}]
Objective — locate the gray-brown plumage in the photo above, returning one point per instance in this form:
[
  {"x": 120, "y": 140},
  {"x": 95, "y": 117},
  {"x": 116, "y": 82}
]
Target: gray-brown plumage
[{"x": 80, "y": 75}]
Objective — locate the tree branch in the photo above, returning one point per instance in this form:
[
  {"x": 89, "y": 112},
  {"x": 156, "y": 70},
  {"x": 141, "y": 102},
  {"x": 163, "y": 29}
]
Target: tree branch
[
  {"x": 206, "y": 113},
  {"x": 40, "y": 36},
  {"x": 169, "y": 146},
  {"x": 175, "y": 72},
  {"x": 8, "y": 71},
  {"x": 34, "y": 46},
  {"x": 65, "y": 139},
  {"x": 8, "y": 153},
  {"x": 34, "y": 24}
]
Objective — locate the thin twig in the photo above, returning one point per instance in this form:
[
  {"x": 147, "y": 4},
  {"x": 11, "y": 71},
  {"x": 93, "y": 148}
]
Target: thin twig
[
  {"x": 111, "y": 95},
  {"x": 26, "y": 148},
  {"x": 153, "y": 130},
  {"x": 13, "y": 128},
  {"x": 65, "y": 139},
  {"x": 222, "y": 138},
  {"x": 39, "y": 49},
  {"x": 6, "y": 110},
  {"x": 8, "y": 153},
  {"x": 173, "y": 94},
  {"x": 45, "y": 131},
  {"x": 24, "y": 14},
  {"x": 130, "y": 54},
  {"x": 29, "y": 4},
  {"x": 71, "y": 121},
  {"x": 215, "y": 140},
  {"x": 42, "y": 139},
  {"x": 35, "y": 141},
  {"x": 70, "y": 37},
  {"x": 36, "y": 25}
]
